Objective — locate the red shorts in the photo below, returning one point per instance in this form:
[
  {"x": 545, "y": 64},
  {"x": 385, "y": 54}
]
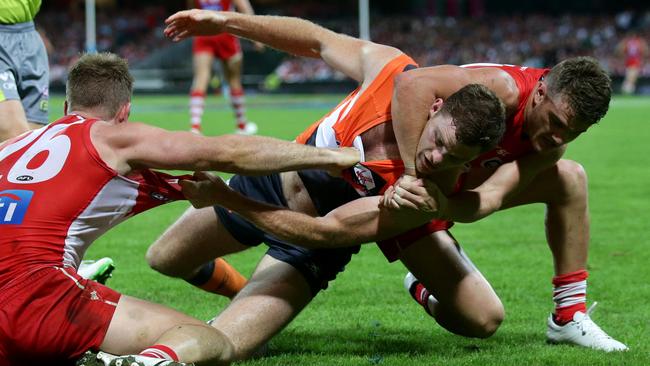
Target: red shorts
[
  {"x": 393, "y": 246},
  {"x": 222, "y": 46},
  {"x": 52, "y": 315},
  {"x": 634, "y": 62}
]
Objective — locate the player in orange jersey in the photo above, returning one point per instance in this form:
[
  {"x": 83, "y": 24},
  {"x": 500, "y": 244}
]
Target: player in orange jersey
[
  {"x": 467, "y": 123},
  {"x": 546, "y": 109}
]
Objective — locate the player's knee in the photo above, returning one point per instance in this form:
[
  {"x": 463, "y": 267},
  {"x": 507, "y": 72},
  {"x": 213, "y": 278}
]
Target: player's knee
[
  {"x": 573, "y": 178},
  {"x": 489, "y": 322},
  {"x": 160, "y": 261},
  {"x": 482, "y": 324}
]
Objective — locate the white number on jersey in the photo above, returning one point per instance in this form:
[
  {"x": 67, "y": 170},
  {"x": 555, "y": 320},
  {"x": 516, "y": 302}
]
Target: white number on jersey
[{"x": 57, "y": 147}]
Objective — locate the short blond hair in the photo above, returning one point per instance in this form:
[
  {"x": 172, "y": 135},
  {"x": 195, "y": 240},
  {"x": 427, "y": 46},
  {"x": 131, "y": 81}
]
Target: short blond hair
[{"x": 100, "y": 80}]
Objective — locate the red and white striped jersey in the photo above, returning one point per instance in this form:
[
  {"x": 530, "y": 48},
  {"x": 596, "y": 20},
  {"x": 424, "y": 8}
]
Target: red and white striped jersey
[
  {"x": 216, "y": 5},
  {"x": 57, "y": 195}
]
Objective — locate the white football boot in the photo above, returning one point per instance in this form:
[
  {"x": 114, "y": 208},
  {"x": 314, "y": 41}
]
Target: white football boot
[
  {"x": 106, "y": 359},
  {"x": 582, "y": 331},
  {"x": 99, "y": 270},
  {"x": 250, "y": 128}
]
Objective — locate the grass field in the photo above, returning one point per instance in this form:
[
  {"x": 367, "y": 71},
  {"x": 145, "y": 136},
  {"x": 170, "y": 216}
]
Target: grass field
[{"x": 366, "y": 318}]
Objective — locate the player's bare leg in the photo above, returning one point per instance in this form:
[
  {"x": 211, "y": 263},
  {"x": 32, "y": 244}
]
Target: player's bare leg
[
  {"x": 232, "y": 69},
  {"x": 202, "y": 66},
  {"x": 195, "y": 239},
  {"x": 12, "y": 119},
  {"x": 463, "y": 301},
  {"x": 629, "y": 83},
  {"x": 274, "y": 295},
  {"x": 138, "y": 324},
  {"x": 563, "y": 188}
]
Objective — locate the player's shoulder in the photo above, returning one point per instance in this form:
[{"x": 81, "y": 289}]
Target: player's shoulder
[{"x": 497, "y": 78}]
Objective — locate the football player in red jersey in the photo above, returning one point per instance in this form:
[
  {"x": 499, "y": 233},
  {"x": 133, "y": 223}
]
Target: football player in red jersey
[
  {"x": 546, "y": 110},
  {"x": 227, "y": 49},
  {"x": 634, "y": 49},
  {"x": 64, "y": 185}
]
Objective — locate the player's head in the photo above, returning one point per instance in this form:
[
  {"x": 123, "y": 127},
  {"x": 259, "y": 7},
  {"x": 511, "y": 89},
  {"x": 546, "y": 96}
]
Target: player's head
[
  {"x": 469, "y": 122},
  {"x": 100, "y": 83},
  {"x": 573, "y": 96}
]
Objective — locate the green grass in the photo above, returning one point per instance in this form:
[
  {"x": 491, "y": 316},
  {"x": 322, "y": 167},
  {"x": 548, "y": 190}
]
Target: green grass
[{"x": 365, "y": 318}]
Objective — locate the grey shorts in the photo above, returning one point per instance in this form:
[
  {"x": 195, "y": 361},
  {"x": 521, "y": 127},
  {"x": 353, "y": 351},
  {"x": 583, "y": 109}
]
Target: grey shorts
[{"x": 24, "y": 73}]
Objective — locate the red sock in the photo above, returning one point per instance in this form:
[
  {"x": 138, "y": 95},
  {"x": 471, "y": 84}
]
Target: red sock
[
  {"x": 569, "y": 295},
  {"x": 237, "y": 99},
  {"x": 421, "y": 295},
  {"x": 161, "y": 352}
]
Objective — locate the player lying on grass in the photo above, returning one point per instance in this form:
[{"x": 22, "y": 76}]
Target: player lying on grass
[
  {"x": 546, "y": 109},
  {"x": 64, "y": 185}
]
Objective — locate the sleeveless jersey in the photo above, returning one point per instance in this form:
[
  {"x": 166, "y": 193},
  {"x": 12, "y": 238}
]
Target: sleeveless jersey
[
  {"x": 216, "y": 5},
  {"x": 362, "y": 110},
  {"x": 514, "y": 143},
  {"x": 357, "y": 113},
  {"x": 57, "y": 196}
]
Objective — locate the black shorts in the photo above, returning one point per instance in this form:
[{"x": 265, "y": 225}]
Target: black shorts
[{"x": 318, "y": 266}]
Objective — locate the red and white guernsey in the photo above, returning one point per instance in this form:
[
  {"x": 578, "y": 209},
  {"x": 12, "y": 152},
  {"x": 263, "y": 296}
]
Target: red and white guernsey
[
  {"x": 514, "y": 143},
  {"x": 57, "y": 196},
  {"x": 216, "y": 5}
]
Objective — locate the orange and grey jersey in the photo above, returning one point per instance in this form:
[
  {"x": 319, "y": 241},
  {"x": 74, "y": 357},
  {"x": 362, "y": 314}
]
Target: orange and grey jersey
[{"x": 356, "y": 114}]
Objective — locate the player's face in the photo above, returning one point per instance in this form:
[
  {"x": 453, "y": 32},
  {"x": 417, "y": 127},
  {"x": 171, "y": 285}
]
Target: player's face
[
  {"x": 438, "y": 148},
  {"x": 551, "y": 123}
]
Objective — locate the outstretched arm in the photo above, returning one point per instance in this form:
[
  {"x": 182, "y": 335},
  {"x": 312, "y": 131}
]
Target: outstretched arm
[
  {"x": 131, "y": 146},
  {"x": 357, "y": 222},
  {"x": 245, "y": 7},
  {"x": 354, "y": 57}
]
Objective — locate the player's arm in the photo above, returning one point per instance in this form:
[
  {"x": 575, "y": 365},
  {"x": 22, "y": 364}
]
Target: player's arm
[
  {"x": 130, "y": 146},
  {"x": 413, "y": 95},
  {"x": 245, "y": 7},
  {"x": 471, "y": 205},
  {"x": 356, "y": 222},
  {"x": 356, "y": 58}
]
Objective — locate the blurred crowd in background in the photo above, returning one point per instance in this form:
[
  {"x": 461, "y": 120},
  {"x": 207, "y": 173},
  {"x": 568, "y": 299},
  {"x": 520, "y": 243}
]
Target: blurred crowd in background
[{"x": 532, "y": 40}]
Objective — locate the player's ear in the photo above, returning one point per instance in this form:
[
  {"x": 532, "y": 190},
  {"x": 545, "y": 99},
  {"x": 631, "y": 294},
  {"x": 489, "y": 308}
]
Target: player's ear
[
  {"x": 540, "y": 92},
  {"x": 123, "y": 113},
  {"x": 435, "y": 107}
]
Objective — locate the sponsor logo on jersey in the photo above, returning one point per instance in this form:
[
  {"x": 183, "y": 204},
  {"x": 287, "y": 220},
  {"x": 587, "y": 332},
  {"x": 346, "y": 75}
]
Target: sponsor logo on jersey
[
  {"x": 502, "y": 152},
  {"x": 159, "y": 196},
  {"x": 13, "y": 206},
  {"x": 24, "y": 178},
  {"x": 364, "y": 177}
]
